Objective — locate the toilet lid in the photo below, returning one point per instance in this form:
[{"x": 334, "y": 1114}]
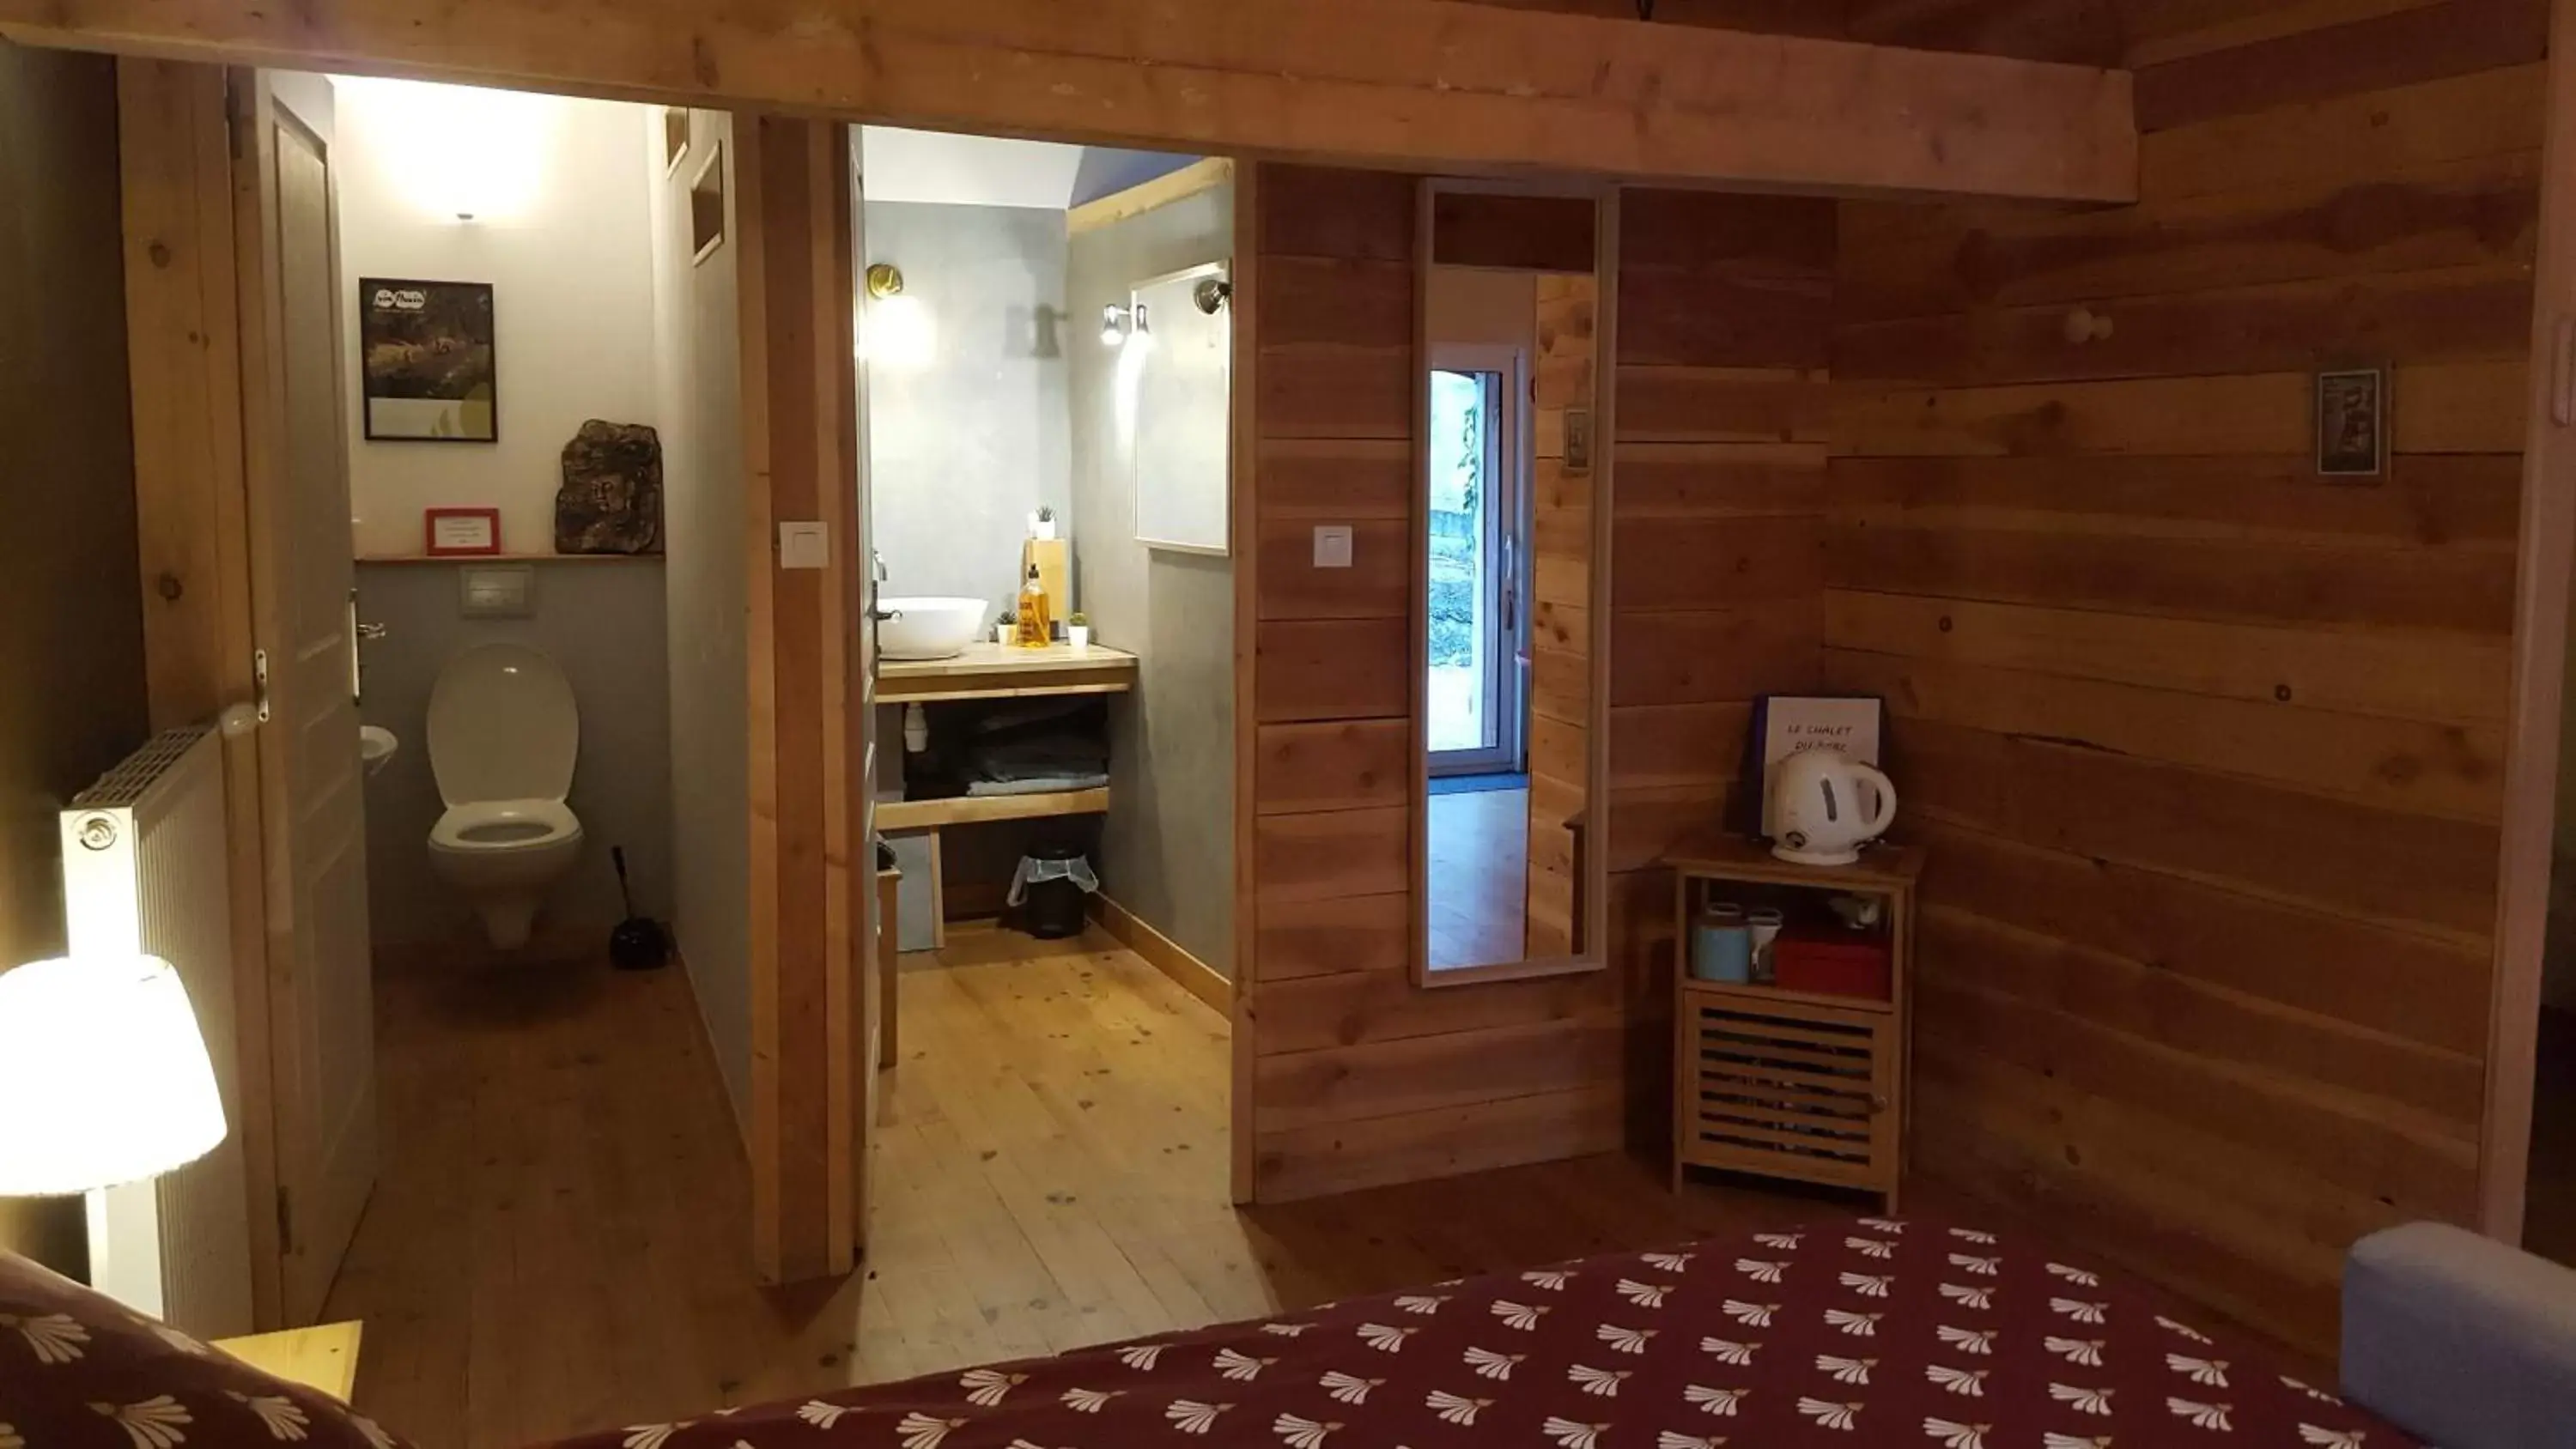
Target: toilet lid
[{"x": 502, "y": 726}]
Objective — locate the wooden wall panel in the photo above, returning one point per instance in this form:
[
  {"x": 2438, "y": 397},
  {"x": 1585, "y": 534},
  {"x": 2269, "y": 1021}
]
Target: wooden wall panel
[
  {"x": 1355, "y": 1076},
  {"x": 1723, "y": 413},
  {"x": 1567, "y": 370},
  {"x": 2207, "y": 751},
  {"x": 800, "y": 425},
  {"x": 1520, "y": 233}
]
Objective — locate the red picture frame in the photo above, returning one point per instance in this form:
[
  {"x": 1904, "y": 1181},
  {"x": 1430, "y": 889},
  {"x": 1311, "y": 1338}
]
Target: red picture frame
[{"x": 458, "y": 541}]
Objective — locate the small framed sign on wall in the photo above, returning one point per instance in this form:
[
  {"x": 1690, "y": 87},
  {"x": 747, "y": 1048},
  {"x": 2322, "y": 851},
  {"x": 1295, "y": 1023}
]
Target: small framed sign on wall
[
  {"x": 2352, "y": 423},
  {"x": 460, "y": 532}
]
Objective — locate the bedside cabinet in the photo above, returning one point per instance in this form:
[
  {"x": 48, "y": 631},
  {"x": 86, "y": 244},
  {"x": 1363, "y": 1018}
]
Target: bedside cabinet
[{"x": 1788, "y": 1083}]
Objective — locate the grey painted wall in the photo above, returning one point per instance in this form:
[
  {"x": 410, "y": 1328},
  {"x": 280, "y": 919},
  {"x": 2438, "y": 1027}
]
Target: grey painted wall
[
  {"x": 698, "y": 391},
  {"x": 1167, "y": 845},
  {"x": 601, "y": 622},
  {"x": 964, "y": 444}
]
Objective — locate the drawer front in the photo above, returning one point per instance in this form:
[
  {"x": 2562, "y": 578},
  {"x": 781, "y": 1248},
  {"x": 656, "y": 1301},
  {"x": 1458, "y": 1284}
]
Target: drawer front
[{"x": 1788, "y": 1090}]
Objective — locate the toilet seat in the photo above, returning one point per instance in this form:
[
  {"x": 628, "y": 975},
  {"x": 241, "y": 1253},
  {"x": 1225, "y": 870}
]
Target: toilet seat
[{"x": 504, "y": 827}]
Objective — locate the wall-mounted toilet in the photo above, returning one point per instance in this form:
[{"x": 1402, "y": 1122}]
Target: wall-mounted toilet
[{"x": 503, "y": 736}]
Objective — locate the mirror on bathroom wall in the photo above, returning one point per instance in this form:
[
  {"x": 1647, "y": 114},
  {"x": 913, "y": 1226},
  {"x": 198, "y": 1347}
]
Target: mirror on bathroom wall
[{"x": 1512, "y": 487}]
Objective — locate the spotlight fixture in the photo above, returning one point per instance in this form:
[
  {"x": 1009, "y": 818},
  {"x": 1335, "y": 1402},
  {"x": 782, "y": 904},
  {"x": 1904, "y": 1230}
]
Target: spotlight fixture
[
  {"x": 1114, "y": 322},
  {"x": 1212, "y": 295},
  {"x": 885, "y": 280}
]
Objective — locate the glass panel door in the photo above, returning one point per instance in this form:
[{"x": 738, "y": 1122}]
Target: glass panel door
[{"x": 1477, "y": 602}]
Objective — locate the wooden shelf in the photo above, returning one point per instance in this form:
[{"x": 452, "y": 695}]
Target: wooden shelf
[
  {"x": 1880, "y": 869},
  {"x": 1003, "y": 671},
  {"x": 472, "y": 560},
  {"x": 1756, "y": 991},
  {"x": 980, "y": 809}
]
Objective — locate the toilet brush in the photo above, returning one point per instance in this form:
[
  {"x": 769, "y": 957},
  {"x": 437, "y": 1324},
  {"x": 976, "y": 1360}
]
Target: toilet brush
[{"x": 639, "y": 943}]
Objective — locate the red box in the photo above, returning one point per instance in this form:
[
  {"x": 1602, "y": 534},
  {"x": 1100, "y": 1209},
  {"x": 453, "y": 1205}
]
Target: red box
[{"x": 1830, "y": 963}]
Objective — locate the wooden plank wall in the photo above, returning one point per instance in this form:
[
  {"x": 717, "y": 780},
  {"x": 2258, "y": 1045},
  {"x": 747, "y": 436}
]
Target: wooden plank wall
[
  {"x": 800, "y": 420},
  {"x": 2207, "y": 750},
  {"x": 1358, "y": 1076},
  {"x": 1725, "y": 315},
  {"x": 1560, "y": 635}
]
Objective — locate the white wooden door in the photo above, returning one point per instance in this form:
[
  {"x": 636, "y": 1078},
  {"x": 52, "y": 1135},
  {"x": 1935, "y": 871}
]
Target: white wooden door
[{"x": 313, "y": 813}]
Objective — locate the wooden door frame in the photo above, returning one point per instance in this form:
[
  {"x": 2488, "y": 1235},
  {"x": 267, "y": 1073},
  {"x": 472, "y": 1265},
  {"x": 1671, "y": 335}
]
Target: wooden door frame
[
  {"x": 187, "y": 284},
  {"x": 797, "y": 325},
  {"x": 2545, "y": 555},
  {"x": 192, "y": 523}
]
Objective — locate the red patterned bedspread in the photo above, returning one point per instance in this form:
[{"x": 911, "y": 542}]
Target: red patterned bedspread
[{"x": 1863, "y": 1332}]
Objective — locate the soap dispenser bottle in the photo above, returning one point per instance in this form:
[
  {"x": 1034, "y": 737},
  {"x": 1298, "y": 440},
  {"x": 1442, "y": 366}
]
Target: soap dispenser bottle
[{"x": 1036, "y": 628}]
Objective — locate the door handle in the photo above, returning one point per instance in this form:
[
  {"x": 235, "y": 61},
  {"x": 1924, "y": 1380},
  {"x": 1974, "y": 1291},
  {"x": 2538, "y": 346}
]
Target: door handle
[{"x": 1511, "y": 586}]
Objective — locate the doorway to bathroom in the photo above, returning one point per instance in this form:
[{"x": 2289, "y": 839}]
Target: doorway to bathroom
[
  {"x": 1046, "y": 340},
  {"x": 479, "y": 559}
]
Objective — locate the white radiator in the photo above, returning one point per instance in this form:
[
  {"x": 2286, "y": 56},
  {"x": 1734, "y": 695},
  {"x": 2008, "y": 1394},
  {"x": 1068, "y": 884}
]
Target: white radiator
[{"x": 144, "y": 870}]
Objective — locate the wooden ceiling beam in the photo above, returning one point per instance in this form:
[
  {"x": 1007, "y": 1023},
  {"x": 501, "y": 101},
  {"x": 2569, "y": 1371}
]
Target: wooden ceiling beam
[{"x": 1425, "y": 85}]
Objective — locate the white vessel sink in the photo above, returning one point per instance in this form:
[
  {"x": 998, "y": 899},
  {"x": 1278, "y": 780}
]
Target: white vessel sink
[
  {"x": 929, "y": 628},
  {"x": 376, "y": 745}
]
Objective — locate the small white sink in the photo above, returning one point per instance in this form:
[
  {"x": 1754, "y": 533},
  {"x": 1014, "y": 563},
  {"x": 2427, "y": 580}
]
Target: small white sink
[
  {"x": 929, "y": 628},
  {"x": 376, "y": 746}
]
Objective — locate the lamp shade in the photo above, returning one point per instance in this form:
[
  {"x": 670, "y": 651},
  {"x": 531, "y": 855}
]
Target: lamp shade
[{"x": 104, "y": 1077}]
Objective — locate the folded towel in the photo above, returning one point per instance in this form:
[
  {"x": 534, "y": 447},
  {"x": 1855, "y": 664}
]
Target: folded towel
[{"x": 1037, "y": 785}]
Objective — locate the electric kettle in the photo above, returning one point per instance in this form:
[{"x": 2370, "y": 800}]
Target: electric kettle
[{"x": 1825, "y": 806}]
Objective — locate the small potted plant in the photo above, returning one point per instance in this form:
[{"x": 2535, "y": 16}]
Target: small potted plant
[
  {"x": 1077, "y": 631},
  {"x": 1004, "y": 625}
]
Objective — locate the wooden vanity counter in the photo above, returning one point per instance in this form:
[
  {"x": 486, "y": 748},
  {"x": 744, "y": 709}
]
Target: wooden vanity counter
[{"x": 1005, "y": 671}]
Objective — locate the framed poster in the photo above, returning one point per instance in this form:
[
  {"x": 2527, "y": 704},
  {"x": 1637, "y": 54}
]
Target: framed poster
[
  {"x": 426, "y": 361},
  {"x": 2352, "y": 423}
]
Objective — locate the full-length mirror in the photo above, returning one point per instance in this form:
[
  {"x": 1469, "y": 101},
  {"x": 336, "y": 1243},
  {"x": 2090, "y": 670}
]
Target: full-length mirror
[{"x": 1510, "y": 394}]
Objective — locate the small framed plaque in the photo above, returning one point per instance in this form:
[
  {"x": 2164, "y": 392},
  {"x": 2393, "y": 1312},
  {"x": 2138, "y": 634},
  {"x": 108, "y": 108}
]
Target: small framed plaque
[
  {"x": 2352, "y": 423},
  {"x": 461, "y": 532}
]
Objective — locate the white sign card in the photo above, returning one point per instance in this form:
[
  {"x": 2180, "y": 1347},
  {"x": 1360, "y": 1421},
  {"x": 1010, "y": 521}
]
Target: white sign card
[{"x": 1785, "y": 725}]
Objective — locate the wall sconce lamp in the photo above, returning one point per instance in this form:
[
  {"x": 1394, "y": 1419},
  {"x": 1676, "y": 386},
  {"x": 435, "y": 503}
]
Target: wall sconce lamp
[
  {"x": 1114, "y": 323},
  {"x": 1212, "y": 295},
  {"x": 895, "y": 330}
]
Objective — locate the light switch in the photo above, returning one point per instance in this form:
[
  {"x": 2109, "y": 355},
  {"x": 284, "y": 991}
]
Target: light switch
[
  {"x": 1332, "y": 545},
  {"x": 502, "y": 592},
  {"x": 804, "y": 546}
]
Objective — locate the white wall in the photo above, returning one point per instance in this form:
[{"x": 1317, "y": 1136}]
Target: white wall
[
  {"x": 969, "y": 438},
  {"x": 698, "y": 395},
  {"x": 1471, "y": 304},
  {"x": 561, "y": 233},
  {"x": 1167, "y": 843}
]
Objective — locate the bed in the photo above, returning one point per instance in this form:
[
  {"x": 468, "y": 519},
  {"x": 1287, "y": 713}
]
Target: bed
[{"x": 1857, "y": 1332}]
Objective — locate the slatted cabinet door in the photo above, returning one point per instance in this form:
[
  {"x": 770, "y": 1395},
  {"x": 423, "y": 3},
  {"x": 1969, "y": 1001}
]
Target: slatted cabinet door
[{"x": 1788, "y": 1086}]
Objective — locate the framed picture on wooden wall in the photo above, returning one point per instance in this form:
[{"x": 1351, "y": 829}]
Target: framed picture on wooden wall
[
  {"x": 2352, "y": 423},
  {"x": 425, "y": 353}
]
